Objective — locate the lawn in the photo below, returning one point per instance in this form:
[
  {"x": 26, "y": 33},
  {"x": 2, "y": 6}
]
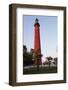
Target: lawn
[{"x": 41, "y": 70}]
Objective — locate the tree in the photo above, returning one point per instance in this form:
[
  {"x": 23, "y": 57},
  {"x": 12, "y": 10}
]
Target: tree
[
  {"x": 49, "y": 59},
  {"x": 31, "y": 51},
  {"x": 45, "y": 62},
  {"x": 27, "y": 57},
  {"x": 24, "y": 49},
  {"x": 55, "y": 61}
]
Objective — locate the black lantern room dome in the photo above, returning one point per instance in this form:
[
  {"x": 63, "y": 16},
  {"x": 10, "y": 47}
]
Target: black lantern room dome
[{"x": 37, "y": 22}]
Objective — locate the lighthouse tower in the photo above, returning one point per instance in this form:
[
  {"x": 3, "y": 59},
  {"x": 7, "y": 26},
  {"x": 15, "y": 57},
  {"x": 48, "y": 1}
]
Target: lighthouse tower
[{"x": 37, "y": 45}]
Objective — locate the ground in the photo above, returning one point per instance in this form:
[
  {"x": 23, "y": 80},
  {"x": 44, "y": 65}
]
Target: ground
[{"x": 42, "y": 69}]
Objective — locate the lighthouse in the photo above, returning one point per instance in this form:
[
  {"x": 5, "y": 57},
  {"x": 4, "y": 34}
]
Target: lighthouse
[{"x": 37, "y": 43}]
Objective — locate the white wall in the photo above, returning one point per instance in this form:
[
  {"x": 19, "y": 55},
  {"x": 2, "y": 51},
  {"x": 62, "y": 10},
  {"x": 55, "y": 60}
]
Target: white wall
[{"x": 4, "y": 44}]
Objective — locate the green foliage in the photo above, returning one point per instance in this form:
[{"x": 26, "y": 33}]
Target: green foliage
[{"x": 27, "y": 57}]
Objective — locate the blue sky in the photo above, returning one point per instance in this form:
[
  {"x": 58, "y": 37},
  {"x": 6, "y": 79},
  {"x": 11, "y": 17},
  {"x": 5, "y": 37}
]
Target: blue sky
[{"x": 48, "y": 34}]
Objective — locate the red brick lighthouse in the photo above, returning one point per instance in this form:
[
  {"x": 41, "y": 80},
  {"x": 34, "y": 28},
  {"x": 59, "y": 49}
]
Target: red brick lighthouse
[{"x": 37, "y": 45}]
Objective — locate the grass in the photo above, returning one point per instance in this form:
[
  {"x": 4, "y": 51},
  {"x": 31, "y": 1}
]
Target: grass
[{"x": 40, "y": 71}]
